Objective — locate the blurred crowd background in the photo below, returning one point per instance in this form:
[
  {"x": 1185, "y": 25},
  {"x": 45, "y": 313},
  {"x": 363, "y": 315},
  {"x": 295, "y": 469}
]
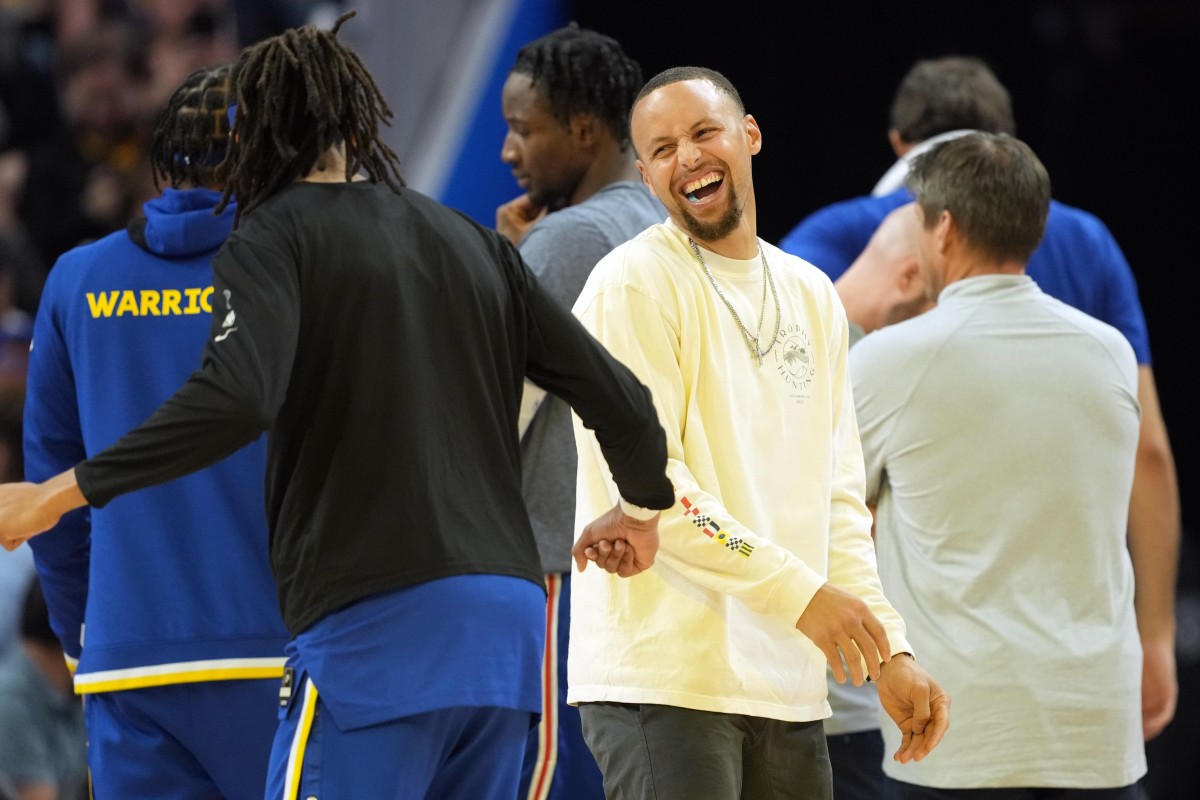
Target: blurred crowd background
[
  {"x": 81, "y": 85},
  {"x": 81, "y": 82}
]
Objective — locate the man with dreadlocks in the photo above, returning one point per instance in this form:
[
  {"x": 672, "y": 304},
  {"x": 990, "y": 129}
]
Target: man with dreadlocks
[
  {"x": 568, "y": 145},
  {"x": 185, "y": 644},
  {"x": 382, "y": 339}
]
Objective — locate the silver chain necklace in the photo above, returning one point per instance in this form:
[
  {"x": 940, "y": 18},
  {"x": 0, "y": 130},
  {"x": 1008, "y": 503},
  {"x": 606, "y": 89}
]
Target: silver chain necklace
[{"x": 752, "y": 339}]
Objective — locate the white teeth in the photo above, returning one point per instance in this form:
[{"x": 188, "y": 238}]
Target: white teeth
[{"x": 712, "y": 177}]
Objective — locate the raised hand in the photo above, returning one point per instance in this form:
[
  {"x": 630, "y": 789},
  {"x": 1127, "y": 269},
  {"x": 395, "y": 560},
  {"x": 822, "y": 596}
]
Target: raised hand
[{"x": 516, "y": 217}]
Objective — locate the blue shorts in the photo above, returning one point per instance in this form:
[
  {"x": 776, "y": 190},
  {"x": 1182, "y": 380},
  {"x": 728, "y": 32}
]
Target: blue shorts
[
  {"x": 425, "y": 691},
  {"x": 448, "y": 753},
  {"x": 182, "y": 741}
]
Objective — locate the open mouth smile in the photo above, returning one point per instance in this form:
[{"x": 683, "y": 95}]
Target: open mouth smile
[{"x": 705, "y": 186}]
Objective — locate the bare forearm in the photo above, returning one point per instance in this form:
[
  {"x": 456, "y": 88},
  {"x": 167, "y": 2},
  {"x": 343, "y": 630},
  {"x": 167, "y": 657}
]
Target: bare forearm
[
  {"x": 1154, "y": 524},
  {"x": 1154, "y": 549},
  {"x": 61, "y": 494},
  {"x": 27, "y": 509}
]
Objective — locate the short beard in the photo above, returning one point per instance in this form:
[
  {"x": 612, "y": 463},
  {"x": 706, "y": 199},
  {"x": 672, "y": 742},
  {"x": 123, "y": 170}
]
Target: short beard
[
  {"x": 551, "y": 202},
  {"x": 713, "y": 231}
]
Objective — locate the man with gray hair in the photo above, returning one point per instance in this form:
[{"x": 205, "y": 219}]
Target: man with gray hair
[{"x": 999, "y": 436}]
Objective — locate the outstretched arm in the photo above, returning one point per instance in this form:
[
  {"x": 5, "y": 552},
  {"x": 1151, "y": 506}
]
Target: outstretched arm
[{"x": 224, "y": 405}]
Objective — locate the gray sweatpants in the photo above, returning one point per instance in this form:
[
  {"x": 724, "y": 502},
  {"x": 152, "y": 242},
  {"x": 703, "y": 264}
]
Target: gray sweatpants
[{"x": 653, "y": 752}]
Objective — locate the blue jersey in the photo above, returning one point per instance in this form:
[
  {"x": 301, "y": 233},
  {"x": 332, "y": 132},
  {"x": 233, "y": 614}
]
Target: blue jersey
[
  {"x": 1078, "y": 261},
  {"x": 172, "y": 584}
]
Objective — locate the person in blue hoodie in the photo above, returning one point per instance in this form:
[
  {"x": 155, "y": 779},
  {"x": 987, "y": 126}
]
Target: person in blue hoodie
[{"x": 184, "y": 645}]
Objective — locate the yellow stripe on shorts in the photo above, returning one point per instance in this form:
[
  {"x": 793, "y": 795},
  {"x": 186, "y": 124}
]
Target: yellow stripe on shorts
[{"x": 295, "y": 765}]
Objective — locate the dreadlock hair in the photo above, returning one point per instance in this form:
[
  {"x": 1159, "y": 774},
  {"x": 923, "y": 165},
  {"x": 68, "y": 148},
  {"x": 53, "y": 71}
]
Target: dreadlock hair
[
  {"x": 580, "y": 70},
  {"x": 299, "y": 94},
  {"x": 192, "y": 131}
]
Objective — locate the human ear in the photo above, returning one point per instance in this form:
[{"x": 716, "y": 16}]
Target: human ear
[
  {"x": 908, "y": 280},
  {"x": 583, "y": 128},
  {"x": 945, "y": 230},
  {"x": 753, "y": 134},
  {"x": 646, "y": 177}
]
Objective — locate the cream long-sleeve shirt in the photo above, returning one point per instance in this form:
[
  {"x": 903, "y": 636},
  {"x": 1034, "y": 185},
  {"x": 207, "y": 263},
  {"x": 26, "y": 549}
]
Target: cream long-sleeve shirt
[{"x": 768, "y": 477}]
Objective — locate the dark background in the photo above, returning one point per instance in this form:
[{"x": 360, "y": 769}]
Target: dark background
[{"x": 1103, "y": 90}]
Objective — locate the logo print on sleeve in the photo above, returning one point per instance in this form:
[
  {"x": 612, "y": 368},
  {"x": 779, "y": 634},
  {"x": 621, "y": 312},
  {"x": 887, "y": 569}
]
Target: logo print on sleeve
[
  {"x": 229, "y": 325},
  {"x": 712, "y": 530}
]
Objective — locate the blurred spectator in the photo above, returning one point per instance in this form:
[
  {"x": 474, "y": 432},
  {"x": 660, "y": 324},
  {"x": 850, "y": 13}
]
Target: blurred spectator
[
  {"x": 26, "y": 79},
  {"x": 258, "y": 19},
  {"x": 16, "y": 568},
  {"x": 76, "y": 20},
  {"x": 184, "y": 35},
  {"x": 16, "y": 573},
  {"x": 42, "y": 742},
  {"x": 18, "y": 259},
  {"x": 16, "y": 325},
  {"x": 76, "y": 189},
  {"x": 74, "y": 170}
]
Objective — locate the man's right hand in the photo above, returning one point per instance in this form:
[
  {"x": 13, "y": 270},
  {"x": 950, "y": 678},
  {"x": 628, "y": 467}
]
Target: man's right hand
[
  {"x": 842, "y": 625},
  {"x": 516, "y": 217},
  {"x": 27, "y": 509},
  {"x": 618, "y": 543}
]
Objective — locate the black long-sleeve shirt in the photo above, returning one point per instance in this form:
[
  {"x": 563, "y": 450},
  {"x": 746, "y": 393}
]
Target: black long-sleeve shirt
[{"x": 382, "y": 340}]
